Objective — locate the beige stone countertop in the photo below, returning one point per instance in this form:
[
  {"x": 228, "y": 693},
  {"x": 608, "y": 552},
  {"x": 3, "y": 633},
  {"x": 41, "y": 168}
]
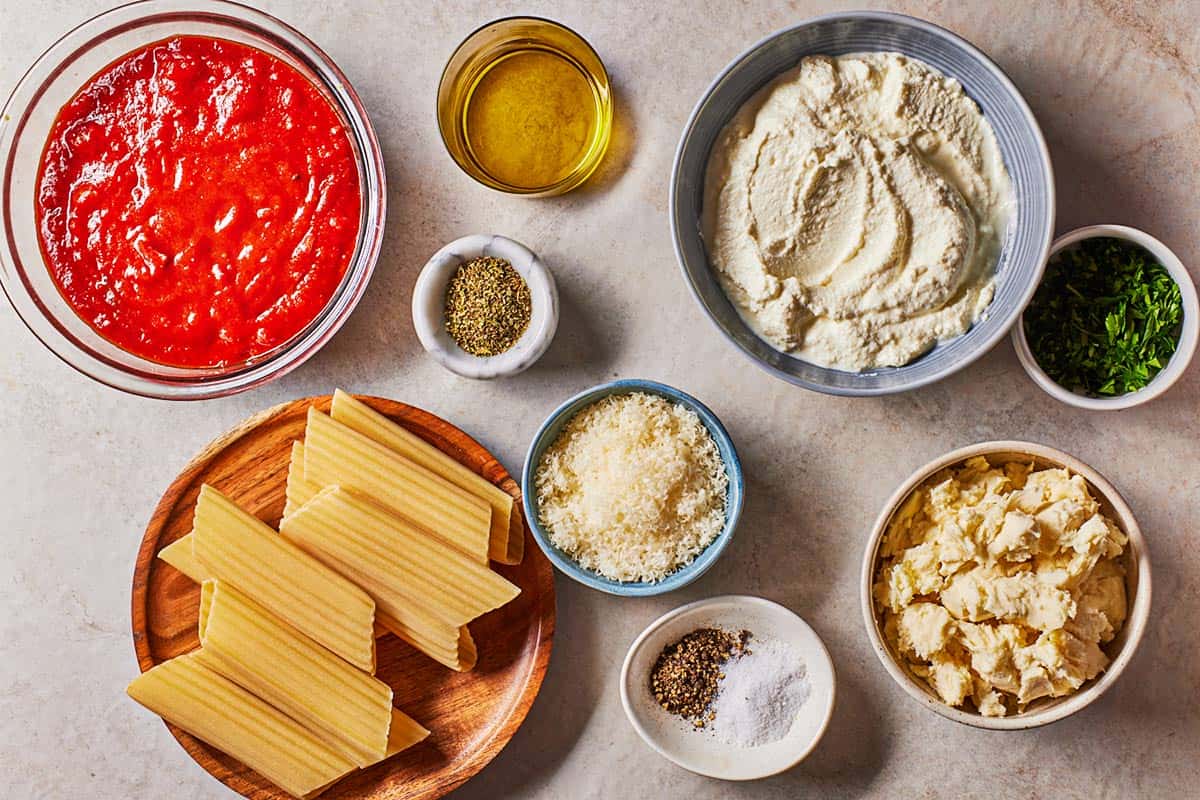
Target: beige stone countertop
[{"x": 1116, "y": 88}]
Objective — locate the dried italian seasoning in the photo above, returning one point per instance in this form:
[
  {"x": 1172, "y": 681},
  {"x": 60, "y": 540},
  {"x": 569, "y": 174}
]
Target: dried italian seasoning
[
  {"x": 686, "y": 675},
  {"x": 488, "y": 306}
]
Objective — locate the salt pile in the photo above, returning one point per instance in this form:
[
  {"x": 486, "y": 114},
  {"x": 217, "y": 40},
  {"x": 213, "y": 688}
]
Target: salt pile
[{"x": 760, "y": 696}]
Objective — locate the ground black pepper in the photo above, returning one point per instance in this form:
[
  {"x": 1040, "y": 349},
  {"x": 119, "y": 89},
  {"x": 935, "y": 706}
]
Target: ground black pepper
[
  {"x": 488, "y": 306},
  {"x": 686, "y": 675}
]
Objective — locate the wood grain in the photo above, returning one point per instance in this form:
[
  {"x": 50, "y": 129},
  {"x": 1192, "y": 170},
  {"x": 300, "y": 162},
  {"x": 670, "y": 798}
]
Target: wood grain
[{"x": 472, "y": 715}]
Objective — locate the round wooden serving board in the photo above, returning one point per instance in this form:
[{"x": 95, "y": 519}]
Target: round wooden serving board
[{"x": 472, "y": 715}]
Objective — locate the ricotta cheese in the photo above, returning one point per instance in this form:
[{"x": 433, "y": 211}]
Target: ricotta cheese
[
  {"x": 854, "y": 210},
  {"x": 999, "y": 584}
]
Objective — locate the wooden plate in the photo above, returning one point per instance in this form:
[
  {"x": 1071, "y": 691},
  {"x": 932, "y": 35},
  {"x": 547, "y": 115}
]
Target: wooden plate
[{"x": 472, "y": 715}]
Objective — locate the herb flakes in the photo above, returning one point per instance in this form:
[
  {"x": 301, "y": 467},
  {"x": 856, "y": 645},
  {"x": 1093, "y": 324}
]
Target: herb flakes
[
  {"x": 1105, "y": 319},
  {"x": 488, "y": 306}
]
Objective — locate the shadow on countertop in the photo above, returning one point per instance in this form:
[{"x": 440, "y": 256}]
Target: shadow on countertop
[
  {"x": 557, "y": 718},
  {"x": 578, "y": 344}
]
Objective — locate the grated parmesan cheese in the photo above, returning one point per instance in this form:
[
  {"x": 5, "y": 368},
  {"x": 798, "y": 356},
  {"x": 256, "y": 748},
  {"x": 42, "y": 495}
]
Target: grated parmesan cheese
[{"x": 633, "y": 488}]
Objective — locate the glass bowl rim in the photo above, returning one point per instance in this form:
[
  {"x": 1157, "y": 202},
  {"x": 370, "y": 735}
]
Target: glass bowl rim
[{"x": 206, "y": 382}]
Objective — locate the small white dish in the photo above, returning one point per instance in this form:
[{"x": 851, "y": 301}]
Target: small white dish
[
  {"x": 699, "y": 750},
  {"x": 1188, "y": 336},
  {"x": 1137, "y": 588},
  {"x": 429, "y": 300}
]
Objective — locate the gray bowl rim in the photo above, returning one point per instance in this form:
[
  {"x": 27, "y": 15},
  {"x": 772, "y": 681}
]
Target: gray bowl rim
[
  {"x": 983, "y": 346},
  {"x": 735, "y": 494}
]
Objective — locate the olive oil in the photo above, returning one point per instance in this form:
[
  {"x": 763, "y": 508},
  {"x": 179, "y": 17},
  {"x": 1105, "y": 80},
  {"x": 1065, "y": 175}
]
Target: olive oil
[
  {"x": 525, "y": 107},
  {"x": 531, "y": 117}
]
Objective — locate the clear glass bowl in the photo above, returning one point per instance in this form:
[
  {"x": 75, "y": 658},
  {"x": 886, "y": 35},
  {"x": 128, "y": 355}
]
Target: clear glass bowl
[
  {"x": 483, "y": 49},
  {"x": 25, "y": 123}
]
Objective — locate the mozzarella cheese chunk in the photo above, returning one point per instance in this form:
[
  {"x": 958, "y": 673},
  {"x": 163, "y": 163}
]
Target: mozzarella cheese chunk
[{"x": 999, "y": 584}]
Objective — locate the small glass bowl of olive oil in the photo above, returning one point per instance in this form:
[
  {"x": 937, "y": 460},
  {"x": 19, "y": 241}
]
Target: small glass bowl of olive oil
[{"x": 525, "y": 107}]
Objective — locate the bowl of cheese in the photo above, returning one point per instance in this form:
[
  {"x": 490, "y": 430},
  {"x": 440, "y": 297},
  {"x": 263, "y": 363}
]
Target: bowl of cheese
[
  {"x": 1006, "y": 585},
  {"x": 813, "y": 178},
  {"x": 633, "y": 488}
]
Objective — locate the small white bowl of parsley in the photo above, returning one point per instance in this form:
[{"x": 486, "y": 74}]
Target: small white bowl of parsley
[{"x": 1114, "y": 322}]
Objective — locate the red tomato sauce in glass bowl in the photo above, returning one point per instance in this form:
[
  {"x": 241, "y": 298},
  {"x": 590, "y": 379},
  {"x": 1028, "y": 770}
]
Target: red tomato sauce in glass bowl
[{"x": 198, "y": 202}]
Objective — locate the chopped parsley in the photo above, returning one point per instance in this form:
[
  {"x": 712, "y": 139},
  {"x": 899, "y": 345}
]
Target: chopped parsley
[{"x": 1105, "y": 319}]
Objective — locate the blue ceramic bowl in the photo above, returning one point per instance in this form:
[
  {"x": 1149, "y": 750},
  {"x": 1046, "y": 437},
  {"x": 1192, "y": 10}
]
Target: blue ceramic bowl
[
  {"x": 549, "y": 431},
  {"x": 1026, "y": 243}
]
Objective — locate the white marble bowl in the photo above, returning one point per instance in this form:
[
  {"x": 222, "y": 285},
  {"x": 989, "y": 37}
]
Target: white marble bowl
[
  {"x": 1137, "y": 588},
  {"x": 429, "y": 299},
  {"x": 698, "y": 750},
  {"x": 1188, "y": 336}
]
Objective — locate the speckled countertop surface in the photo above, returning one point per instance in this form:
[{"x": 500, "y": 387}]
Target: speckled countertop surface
[{"x": 1116, "y": 89}]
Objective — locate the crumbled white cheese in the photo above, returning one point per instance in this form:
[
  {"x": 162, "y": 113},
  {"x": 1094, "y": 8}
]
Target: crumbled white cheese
[{"x": 1000, "y": 584}]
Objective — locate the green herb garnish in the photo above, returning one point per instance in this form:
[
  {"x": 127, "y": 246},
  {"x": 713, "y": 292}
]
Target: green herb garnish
[{"x": 1105, "y": 319}]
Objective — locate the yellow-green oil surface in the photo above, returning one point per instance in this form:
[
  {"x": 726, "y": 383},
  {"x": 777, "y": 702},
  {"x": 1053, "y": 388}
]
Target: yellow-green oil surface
[{"x": 530, "y": 118}]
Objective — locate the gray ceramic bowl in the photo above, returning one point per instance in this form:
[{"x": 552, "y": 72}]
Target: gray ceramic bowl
[{"x": 1025, "y": 245}]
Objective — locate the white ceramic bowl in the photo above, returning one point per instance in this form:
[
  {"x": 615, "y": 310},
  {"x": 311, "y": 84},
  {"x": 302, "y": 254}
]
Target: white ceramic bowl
[
  {"x": 1137, "y": 587},
  {"x": 429, "y": 299},
  {"x": 1187, "y": 338},
  {"x": 699, "y": 751}
]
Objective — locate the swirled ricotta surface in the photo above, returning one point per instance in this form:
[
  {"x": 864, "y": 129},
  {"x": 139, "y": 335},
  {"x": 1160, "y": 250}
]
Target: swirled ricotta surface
[{"x": 854, "y": 209}]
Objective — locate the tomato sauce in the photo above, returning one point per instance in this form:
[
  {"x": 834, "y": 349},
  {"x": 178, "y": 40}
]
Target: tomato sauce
[{"x": 198, "y": 202}]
